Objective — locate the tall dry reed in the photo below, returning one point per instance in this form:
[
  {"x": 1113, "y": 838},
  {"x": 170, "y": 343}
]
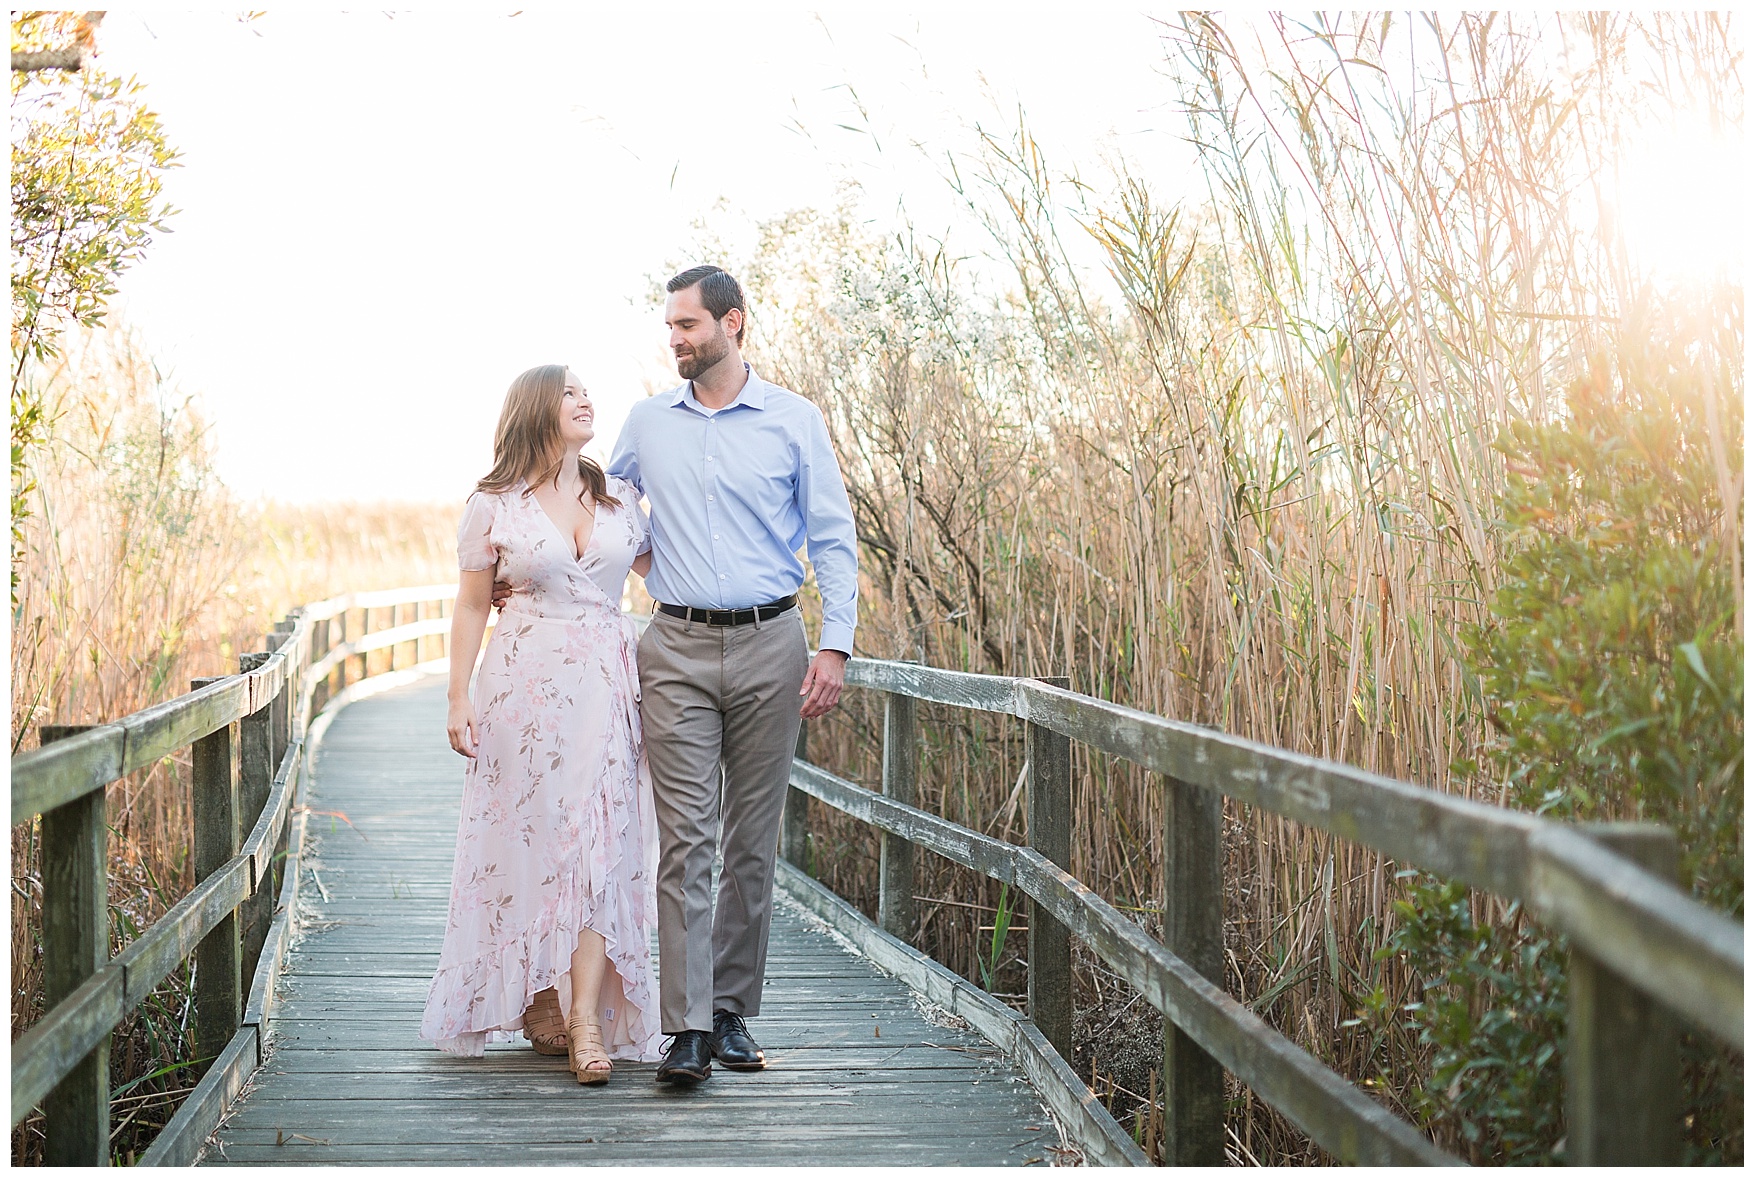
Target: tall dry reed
[
  {"x": 142, "y": 571},
  {"x": 1245, "y": 477}
]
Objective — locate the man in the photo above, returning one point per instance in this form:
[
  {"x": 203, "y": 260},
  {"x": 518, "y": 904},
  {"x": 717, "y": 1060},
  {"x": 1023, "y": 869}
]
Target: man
[{"x": 738, "y": 474}]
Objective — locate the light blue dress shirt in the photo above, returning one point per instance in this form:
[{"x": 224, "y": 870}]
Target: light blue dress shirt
[{"x": 734, "y": 494}]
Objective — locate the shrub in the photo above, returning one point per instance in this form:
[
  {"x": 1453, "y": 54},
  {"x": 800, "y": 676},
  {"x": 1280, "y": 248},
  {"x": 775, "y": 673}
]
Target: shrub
[{"x": 1611, "y": 672}]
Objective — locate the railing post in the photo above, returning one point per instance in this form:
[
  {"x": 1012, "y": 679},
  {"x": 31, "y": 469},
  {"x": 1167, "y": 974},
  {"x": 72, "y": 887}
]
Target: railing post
[
  {"x": 1194, "y": 930},
  {"x": 219, "y": 999},
  {"x": 282, "y": 631},
  {"x": 1623, "y": 1071},
  {"x": 256, "y": 763},
  {"x": 795, "y": 818},
  {"x": 319, "y": 648},
  {"x": 76, "y": 944},
  {"x": 365, "y": 629},
  {"x": 340, "y": 638},
  {"x": 280, "y": 707},
  {"x": 298, "y": 716},
  {"x": 281, "y": 736},
  {"x": 895, "y": 853},
  {"x": 1051, "y": 980}
]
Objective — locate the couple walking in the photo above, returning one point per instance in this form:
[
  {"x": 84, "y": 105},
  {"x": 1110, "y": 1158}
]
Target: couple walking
[{"x": 570, "y": 847}]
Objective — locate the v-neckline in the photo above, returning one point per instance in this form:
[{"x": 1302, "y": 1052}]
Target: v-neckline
[{"x": 566, "y": 539}]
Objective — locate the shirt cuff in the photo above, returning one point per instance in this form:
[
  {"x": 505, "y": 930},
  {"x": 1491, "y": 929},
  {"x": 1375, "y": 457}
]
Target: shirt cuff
[{"x": 837, "y": 637}]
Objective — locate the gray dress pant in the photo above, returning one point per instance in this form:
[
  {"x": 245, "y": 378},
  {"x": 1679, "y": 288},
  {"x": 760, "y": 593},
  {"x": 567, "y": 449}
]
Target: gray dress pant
[{"x": 716, "y": 698}]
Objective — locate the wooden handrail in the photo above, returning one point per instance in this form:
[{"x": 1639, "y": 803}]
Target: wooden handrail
[
  {"x": 1684, "y": 954},
  {"x": 55, "y": 774},
  {"x": 1324, "y": 1104},
  {"x": 60, "y": 1062},
  {"x": 321, "y": 611},
  {"x": 1678, "y": 954}
]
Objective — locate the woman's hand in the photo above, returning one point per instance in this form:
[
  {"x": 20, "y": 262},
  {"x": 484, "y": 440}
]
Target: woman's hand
[{"x": 462, "y": 727}]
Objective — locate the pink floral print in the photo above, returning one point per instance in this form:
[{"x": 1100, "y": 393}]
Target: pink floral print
[{"x": 557, "y": 832}]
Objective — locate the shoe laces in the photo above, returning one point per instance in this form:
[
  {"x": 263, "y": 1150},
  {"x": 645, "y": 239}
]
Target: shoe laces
[
  {"x": 669, "y": 1041},
  {"x": 724, "y": 1022}
]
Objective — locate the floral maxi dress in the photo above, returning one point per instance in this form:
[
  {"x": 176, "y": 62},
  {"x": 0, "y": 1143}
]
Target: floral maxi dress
[{"x": 557, "y": 831}]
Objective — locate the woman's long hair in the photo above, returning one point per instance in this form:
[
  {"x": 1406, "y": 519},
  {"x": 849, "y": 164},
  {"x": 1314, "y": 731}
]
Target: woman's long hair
[{"x": 527, "y": 442}]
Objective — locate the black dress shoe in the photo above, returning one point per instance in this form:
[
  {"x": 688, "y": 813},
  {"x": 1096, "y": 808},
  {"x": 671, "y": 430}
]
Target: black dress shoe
[
  {"x": 689, "y": 1059},
  {"x": 732, "y": 1045}
]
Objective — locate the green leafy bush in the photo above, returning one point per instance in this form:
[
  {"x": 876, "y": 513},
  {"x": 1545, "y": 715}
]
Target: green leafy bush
[
  {"x": 1493, "y": 1014},
  {"x": 1611, "y": 674},
  {"x": 1613, "y": 668},
  {"x": 88, "y": 159}
]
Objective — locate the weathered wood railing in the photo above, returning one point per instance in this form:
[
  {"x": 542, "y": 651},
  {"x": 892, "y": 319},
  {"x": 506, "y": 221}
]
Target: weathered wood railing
[
  {"x": 1642, "y": 949},
  {"x": 247, "y": 739}
]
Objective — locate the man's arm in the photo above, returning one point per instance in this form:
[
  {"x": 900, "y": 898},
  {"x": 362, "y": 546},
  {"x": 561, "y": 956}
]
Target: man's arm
[
  {"x": 834, "y": 554},
  {"x": 624, "y": 461}
]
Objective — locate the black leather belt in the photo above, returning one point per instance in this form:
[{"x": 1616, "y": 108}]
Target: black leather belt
[{"x": 730, "y": 617}]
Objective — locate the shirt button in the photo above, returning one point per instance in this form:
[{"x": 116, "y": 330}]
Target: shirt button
[
  {"x": 716, "y": 537},
  {"x": 709, "y": 458},
  {"x": 721, "y": 576},
  {"x": 709, "y": 498}
]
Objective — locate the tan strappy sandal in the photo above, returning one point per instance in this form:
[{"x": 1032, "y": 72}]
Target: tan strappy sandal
[
  {"x": 543, "y": 1024},
  {"x": 590, "y": 1063}
]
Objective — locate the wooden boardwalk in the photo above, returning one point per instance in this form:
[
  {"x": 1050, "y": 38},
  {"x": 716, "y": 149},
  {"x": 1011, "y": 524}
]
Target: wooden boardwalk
[{"x": 859, "y": 1073}]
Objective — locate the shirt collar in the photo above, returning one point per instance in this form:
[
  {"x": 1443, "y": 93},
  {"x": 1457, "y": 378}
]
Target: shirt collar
[{"x": 753, "y": 395}]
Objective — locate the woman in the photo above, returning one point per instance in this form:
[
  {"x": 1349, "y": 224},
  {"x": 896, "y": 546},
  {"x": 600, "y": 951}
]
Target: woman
[{"x": 552, "y": 898}]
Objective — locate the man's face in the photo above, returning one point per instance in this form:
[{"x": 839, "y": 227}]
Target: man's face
[{"x": 698, "y": 340}]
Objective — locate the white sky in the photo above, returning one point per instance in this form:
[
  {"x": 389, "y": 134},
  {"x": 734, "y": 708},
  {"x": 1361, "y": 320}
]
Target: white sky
[{"x": 383, "y": 219}]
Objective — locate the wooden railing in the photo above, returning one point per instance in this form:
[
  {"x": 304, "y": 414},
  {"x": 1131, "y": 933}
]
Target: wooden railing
[
  {"x": 247, "y": 739},
  {"x": 1642, "y": 950}
]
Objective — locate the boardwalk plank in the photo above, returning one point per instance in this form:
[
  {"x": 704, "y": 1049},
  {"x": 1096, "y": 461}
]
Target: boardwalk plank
[
  {"x": 828, "y": 1064},
  {"x": 858, "y": 1073},
  {"x": 588, "y": 1151},
  {"x": 547, "y": 1118},
  {"x": 521, "y": 1083}
]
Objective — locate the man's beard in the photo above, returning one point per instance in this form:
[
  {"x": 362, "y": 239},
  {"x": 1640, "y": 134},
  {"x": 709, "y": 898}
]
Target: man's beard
[{"x": 705, "y": 356}]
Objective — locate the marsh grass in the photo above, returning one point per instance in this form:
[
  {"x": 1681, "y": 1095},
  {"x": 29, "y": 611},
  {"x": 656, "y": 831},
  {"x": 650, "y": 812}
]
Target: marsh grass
[
  {"x": 1240, "y": 474},
  {"x": 141, "y": 572}
]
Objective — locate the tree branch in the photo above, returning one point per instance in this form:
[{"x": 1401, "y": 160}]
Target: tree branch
[{"x": 70, "y": 58}]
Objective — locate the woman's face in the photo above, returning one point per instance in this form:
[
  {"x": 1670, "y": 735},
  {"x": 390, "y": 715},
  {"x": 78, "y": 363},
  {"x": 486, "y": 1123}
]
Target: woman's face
[{"x": 577, "y": 413}]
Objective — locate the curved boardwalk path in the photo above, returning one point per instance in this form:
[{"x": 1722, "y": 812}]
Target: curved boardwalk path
[{"x": 858, "y": 1074}]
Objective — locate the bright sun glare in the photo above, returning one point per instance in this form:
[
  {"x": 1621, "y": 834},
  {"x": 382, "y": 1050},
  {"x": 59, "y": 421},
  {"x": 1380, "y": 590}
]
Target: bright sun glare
[{"x": 1680, "y": 206}]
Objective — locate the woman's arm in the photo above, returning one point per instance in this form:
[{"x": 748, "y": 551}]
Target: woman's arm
[
  {"x": 469, "y": 617},
  {"x": 643, "y": 562}
]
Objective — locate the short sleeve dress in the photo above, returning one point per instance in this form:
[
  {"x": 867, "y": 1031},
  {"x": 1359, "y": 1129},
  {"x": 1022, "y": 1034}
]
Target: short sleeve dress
[{"x": 557, "y": 832}]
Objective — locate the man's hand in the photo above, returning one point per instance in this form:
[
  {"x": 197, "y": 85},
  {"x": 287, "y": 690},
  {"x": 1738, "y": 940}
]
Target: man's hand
[
  {"x": 502, "y": 591},
  {"x": 822, "y": 683}
]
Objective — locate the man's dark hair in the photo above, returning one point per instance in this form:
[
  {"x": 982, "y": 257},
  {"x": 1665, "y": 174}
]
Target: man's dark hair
[{"x": 720, "y": 292}]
